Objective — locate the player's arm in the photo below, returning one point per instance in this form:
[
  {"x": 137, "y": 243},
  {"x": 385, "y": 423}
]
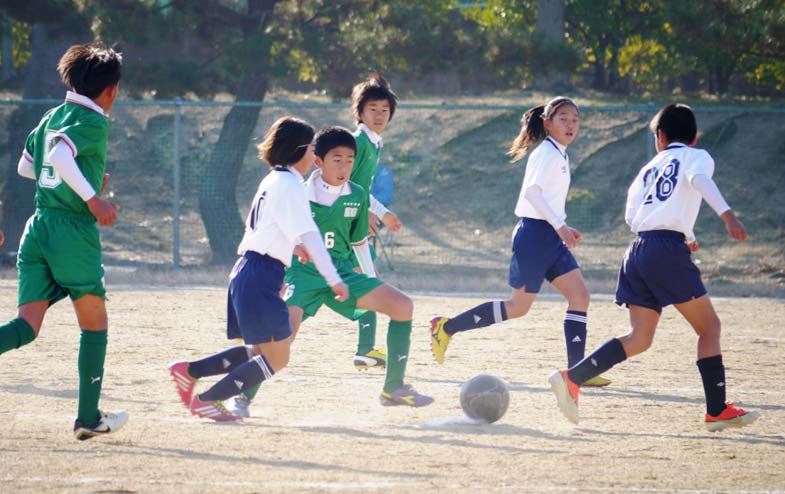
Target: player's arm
[
  {"x": 25, "y": 166},
  {"x": 363, "y": 252},
  {"x": 62, "y": 159},
  {"x": 570, "y": 236},
  {"x": 380, "y": 212},
  {"x": 712, "y": 195}
]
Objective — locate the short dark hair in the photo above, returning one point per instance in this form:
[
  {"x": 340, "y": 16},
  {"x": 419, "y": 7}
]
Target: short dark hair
[
  {"x": 89, "y": 69},
  {"x": 286, "y": 141},
  {"x": 375, "y": 87},
  {"x": 332, "y": 137},
  {"x": 677, "y": 122}
]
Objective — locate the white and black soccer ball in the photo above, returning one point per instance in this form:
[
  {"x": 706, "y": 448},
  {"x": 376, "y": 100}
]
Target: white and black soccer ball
[{"x": 485, "y": 397}]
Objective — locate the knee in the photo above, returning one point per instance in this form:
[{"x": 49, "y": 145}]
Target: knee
[
  {"x": 634, "y": 343},
  {"x": 712, "y": 329},
  {"x": 404, "y": 309},
  {"x": 580, "y": 299}
]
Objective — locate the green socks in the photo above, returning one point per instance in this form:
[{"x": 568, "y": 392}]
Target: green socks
[
  {"x": 14, "y": 334},
  {"x": 92, "y": 352},
  {"x": 399, "y": 335},
  {"x": 367, "y": 336}
]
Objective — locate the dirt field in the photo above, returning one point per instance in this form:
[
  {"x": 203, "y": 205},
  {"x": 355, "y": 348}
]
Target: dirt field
[{"x": 318, "y": 426}]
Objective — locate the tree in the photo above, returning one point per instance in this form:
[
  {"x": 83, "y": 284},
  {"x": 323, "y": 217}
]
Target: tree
[{"x": 56, "y": 25}]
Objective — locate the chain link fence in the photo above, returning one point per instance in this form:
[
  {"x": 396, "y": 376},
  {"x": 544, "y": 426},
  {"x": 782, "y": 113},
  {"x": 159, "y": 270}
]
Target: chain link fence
[{"x": 455, "y": 190}]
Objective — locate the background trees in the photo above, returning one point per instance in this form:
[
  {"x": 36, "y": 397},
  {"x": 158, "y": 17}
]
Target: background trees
[{"x": 200, "y": 48}]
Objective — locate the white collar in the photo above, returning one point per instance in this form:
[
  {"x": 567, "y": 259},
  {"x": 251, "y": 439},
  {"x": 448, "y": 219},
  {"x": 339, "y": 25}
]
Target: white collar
[
  {"x": 78, "y": 99},
  {"x": 316, "y": 183},
  {"x": 375, "y": 138},
  {"x": 561, "y": 147}
]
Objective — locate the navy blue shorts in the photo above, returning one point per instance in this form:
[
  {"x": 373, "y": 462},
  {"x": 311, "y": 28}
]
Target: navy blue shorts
[
  {"x": 657, "y": 271},
  {"x": 538, "y": 254},
  {"x": 255, "y": 310}
]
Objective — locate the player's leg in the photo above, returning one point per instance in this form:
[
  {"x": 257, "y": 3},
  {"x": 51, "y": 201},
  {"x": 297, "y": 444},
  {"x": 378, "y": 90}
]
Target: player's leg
[
  {"x": 25, "y": 327},
  {"x": 399, "y": 308},
  {"x": 92, "y": 318},
  {"x": 572, "y": 286},
  {"x": 703, "y": 318}
]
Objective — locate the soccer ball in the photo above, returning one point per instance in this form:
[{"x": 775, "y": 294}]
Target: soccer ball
[{"x": 485, "y": 397}]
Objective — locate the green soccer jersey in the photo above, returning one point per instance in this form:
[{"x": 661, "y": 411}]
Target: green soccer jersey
[
  {"x": 366, "y": 161},
  {"x": 344, "y": 223},
  {"x": 81, "y": 124}
]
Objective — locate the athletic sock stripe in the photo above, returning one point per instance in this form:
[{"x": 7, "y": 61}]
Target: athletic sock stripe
[
  {"x": 262, "y": 363},
  {"x": 497, "y": 312},
  {"x": 572, "y": 317}
]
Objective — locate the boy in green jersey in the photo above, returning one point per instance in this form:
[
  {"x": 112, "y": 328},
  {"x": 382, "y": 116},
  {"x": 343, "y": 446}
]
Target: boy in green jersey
[
  {"x": 373, "y": 105},
  {"x": 60, "y": 250},
  {"x": 340, "y": 210}
]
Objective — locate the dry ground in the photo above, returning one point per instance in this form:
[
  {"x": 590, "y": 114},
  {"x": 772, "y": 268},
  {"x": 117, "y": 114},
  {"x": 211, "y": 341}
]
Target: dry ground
[{"x": 318, "y": 426}]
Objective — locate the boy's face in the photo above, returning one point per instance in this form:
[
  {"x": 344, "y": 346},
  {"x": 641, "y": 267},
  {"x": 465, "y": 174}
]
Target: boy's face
[
  {"x": 336, "y": 166},
  {"x": 376, "y": 114}
]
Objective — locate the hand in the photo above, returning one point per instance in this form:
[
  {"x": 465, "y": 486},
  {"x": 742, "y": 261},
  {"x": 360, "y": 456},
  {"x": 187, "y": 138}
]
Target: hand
[
  {"x": 570, "y": 236},
  {"x": 734, "y": 227},
  {"x": 693, "y": 246},
  {"x": 392, "y": 222},
  {"x": 341, "y": 291},
  {"x": 373, "y": 224},
  {"x": 103, "y": 184},
  {"x": 104, "y": 211},
  {"x": 302, "y": 254},
  {"x": 2, "y": 237}
]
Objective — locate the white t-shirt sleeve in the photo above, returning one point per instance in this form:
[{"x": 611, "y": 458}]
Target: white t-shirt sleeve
[
  {"x": 634, "y": 198},
  {"x": 62, "y": 159},
  {"x": 537, "y": 169},
  {"x": 710, "y": 193},
  {"x": 377, "y": 207},
  {"x": 25, "y": 167},
  {"x": 293, "y": 212},
  {"x": 702, "y": 165},
  {"x": 533, "y": 194}
]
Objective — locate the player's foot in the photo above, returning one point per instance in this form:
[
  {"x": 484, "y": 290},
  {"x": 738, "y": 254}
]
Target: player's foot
[
  {"x": 566, "y": 393},
  {"x": 597, "y": 382},
  {"x": 731, "y": 417},
  {"x": 107, "y": 423},
  {"x": 439, "y": 338},
  {"x": 241, "y": 406},
  {"x": 405, "y": 395},
  {"x": 376, "y": 358},
  {"x": 183, "y": 381},
  {"x": 215, "y": 410}
]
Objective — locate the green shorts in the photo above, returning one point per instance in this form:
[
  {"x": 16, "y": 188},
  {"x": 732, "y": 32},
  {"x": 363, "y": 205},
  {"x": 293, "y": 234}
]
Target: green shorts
[
  {"x": 59, "y": 256},
  {"x": 306, "y": 289}
]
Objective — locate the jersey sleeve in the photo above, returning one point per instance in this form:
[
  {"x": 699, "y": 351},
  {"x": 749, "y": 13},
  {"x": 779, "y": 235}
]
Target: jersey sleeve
[
  {"x": 537, "y": 169},
  {"x": 29, "y": 151},
  {"x": 85, "y": 137},
  {"x": 293, "y": 211},
  {"x": 703, "y": 164},
  {"x": 359, "y": 229}
]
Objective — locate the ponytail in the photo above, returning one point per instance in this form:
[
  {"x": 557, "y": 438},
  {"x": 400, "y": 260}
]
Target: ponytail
[
  {"x": 532, "y": 132},
  {"x": 533, "y": 126}
]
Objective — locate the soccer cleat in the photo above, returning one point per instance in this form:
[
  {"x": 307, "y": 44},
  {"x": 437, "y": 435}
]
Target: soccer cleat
[
  {"x": 566, "y": 393},
  {"x": 439, "y": 338},
  {"x": 107, "y": 423},
  {"x": 376, "y": 358},
  {"x": 597, "y": 382},
  {"x": 241, "y": 406},
  {"x": 183, "y": 381},
  {"x": 405, "y": 395},
  {"x": 215, "y": 410},
  {"x": 731, "y": 417}
]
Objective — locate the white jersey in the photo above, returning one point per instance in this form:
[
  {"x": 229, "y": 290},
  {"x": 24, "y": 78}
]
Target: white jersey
[
  {"x": 549, "y": 167},
  {"x": 280, "y": 214},
  {"x": 662, "y": 196}
]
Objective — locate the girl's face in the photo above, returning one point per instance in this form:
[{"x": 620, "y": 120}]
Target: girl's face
[
  {"x": 376, "y": 114},
  {"x": 564, "y": 124},
  {"x": 337, "y": 165},
  {"x": 306, "y": 162}
]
